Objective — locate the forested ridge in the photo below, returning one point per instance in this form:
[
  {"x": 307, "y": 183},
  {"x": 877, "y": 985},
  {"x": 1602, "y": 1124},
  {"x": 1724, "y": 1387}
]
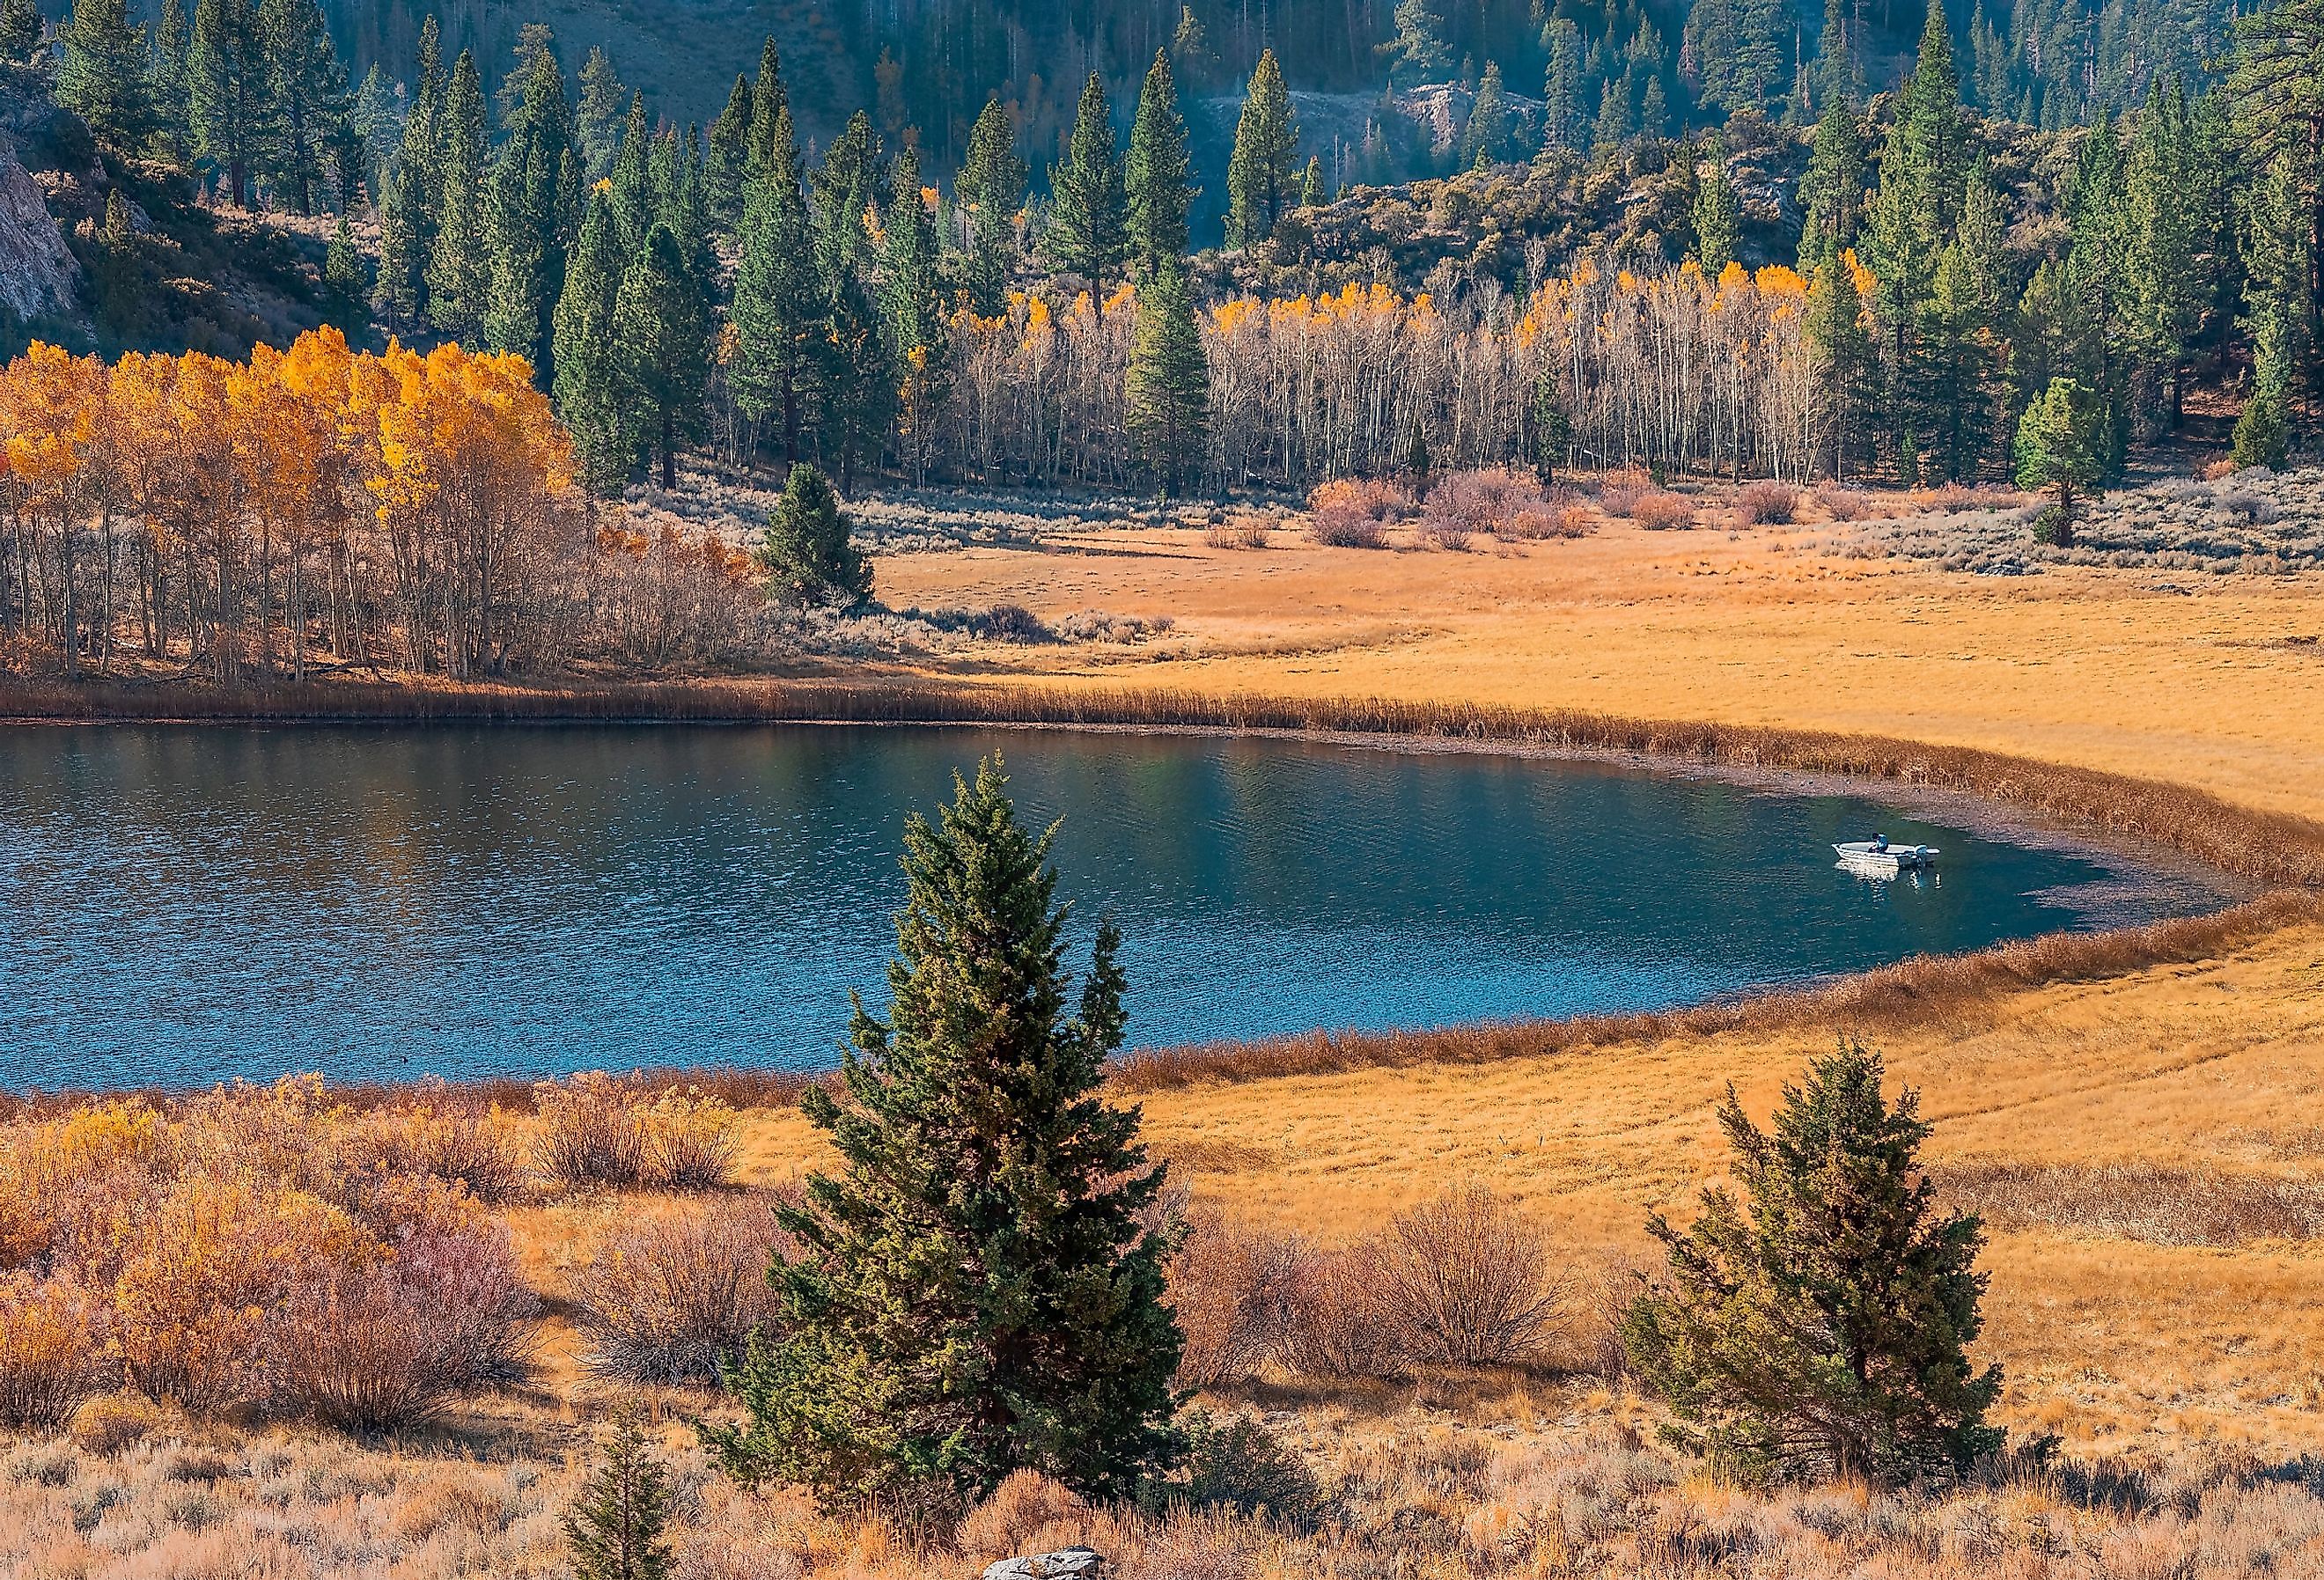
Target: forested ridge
[{"x": 1839, "y": 276}]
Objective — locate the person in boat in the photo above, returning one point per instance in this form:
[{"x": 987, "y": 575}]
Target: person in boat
[{"x": 1879, "y": 842}]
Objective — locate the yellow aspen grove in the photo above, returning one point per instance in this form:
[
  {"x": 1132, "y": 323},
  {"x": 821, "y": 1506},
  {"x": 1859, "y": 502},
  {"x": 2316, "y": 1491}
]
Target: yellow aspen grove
[{"x": 315, "y": 507}]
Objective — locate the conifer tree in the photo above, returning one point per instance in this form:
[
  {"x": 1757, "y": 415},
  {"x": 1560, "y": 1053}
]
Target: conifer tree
[
  {"x": 843, "y": 184},
  {"x": 400, "y": 290},
  {"x": 663, "y": 340},
  {"x": 167, "y": 72},
  {"x": 422, "y": 152},
  {"x": 2274, "y": 243},
  {"x": 598, "y": 117},
  {"x": 770, "y": 107},
  {"x": 1417, "y": 51},
  {"x": 1551, "y": 429},
  {"x": 913, "y": 301},
  {"x": 1963, "y": 362},
  {"x": 2165, "y": 276},
  {"x": 1718, "y": 218},
  {"x": 1739, "y": 46},
  {"x": 2275, "y": 85},
  {"x": 343, "y": 274},
  {"x": 1560, "y": 91},
  {"x": 533, "y": 208},
  {"x": 1154, "y": 178},
  {"x": 806, "y": 550},
  {"x": 1167, "y": 405},
  {"x": 614, "y": 1531},
  {"x": 988, "y": 194},
  {"x": 1483, "y": 140},
  {"x": 1087, "y": 230},
  {"x": 311, "y": 107},
  {"x": 728, "y": 164},
  {"x": 459, "y": 263},
  {"x": 1819, "y": 1326},
  {"x": 1311, "y": 184},
  {"x": 1838, "y": 77},
  {"x": 1843, "y": 356},
  {"x": 21, "y": 27},
  {"x": 2062, "y": 445},
  {"x": 1930, "y": 119},
  {"x": 975, "y": 1288},
  {"x": 590, "y": 385},
  {"x": 229, "y": 95},
  {"x": 101, "y": 61},
  {"x": 778, "y": 310},
  {"x": 858, "y": 389},
  {"x": 631, "y": 180},
  {"x": 1832, "y": 191},
  {"x": 1262, "y": 172}
]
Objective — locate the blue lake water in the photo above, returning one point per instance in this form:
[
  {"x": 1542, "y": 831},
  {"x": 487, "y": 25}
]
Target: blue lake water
[{"x": 180, "y": 904}]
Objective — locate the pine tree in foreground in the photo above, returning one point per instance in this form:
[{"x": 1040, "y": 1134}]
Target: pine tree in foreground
[
  {"x": 1818, "y": 1327},
  {"x": 101, "y": 64},
  {"x": 591, "y": 384},
  {"x": 614, "y": 1531},
  {"x": 1155, "y": 175},
  {"x": 976, "y": 1289},
  {"x": 807, "y": 553},
  {"x": 1718, "y": 217},
  {"x": 2061, "y": 445},
  {"x": 1262, "y": 173},
  {"x": 662, "y": 340}
]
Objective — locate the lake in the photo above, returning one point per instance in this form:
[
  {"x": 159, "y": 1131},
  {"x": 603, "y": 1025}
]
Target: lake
[{"x": 184, "y": 904}]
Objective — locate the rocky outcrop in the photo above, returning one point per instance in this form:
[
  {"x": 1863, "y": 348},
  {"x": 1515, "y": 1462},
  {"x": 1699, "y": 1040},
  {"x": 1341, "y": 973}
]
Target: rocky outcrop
[
  {"x": 38, "y": 276},
  {"x": 1065, "y": 1564}
]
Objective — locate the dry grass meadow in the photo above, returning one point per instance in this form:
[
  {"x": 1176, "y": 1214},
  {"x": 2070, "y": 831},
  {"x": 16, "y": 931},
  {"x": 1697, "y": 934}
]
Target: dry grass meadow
[{"x": 2143, "y": 1130}]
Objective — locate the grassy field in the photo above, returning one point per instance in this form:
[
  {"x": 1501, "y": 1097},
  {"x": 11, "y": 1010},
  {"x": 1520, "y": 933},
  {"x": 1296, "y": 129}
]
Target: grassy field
[{"x": 2210, "y": 686}]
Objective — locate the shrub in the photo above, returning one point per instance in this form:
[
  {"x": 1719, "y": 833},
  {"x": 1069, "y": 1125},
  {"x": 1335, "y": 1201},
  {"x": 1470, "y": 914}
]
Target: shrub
[
  {"x": 1021, "y": 1508},
  {"x": 1232, "y": 1287},
  {"x": 665, "y": 1300},
  {"x": 1768, "y": 503},
  {"x": 1481, "y": 501},
  {"x": 1557, "y": 513},
  {"x": 113, "y": 1422},
  {"x": 1619, "y": 494},
  {"x": 2263, "y": 432},
  {"x": 1843, "y": 504},
  {"x": 1234, "y": 1461},
  {"x": 1339, "y": 1324},
  {"x": 1352, "y": 513},
  {"x": 1661, "y": 513},
  {"x": 441, "y": 1138},
  {"x": 2225, "y": 468},
  {"x": 589, "y": 1132},
  {"x": 54, "y": 1350},
  {"x": 690, "y": 1140},
  {"x": 2054, "y": 525},
  {"x": 211, "y": 1264},
  {"x": 1468, "y": 1280},
  {"x": 1248, "y": 531}
]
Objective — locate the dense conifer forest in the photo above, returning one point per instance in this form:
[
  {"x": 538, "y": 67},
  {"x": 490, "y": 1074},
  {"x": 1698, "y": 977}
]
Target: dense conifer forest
[{"x": 1942, "y": 247}]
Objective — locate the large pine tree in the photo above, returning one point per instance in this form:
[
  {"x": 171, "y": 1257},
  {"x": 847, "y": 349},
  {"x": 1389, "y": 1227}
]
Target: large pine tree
[
  {"x": 1167, "y": 394},
  {"x": 663, "y": 340},
  {"x": 311, "y": 107},
  {"x": 988, "y": 195},
  {"x": 1155, "y": 176},
  {"x": 459, "y": 262},
  {"x": 778, "y": 306},
  {"x": 1262, "y": 173},
  {"x": 534, "y": 207},
  {"x": 101, "y": 72},
  {"x": 230, "y": 93},
  {"x": 1087, "y": 233},
  {"x": 591, "y": 382},
  {"x": 1831, "y": 192},
  {"x": 806, "y": 552},
  {"x": 1819, "y": 1326},
  {"x": 977, "y": 1288}
]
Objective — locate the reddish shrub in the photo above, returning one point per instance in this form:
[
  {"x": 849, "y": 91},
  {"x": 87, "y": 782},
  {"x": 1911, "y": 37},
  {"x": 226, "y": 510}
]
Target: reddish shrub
[
  {"x": 438, "y": 1135},
  {"x": 1353, "y": 512},
  {"x": 1662, "y": 512},
  {"x": 389, "y": 1343},
  {"x": 1619, "y": 494},
  {"x": 1468, "y": 1280},
  {"x": 1765, "y": 503},
  {"x": 665, "y": 1300},
  {"x": 589, "y": 1131},
  {"x": 1339, "y": 1325},
  {"x": 1232, "y": 1286},
  {"x": 1843, "y": 504},
  {"x": 1484, "y": 501}
]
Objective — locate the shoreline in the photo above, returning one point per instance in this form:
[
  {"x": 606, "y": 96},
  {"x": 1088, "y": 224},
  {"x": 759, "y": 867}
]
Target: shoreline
[{"x": 2279, "y": 859}]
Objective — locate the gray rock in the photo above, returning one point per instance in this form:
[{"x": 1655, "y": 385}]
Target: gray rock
[
  {"x": 1076, "y": 1562},
  {"x": 37, "y": 273}
]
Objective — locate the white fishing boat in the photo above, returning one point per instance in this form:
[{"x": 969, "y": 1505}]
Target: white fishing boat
[{"x": 1878, "y": 855}]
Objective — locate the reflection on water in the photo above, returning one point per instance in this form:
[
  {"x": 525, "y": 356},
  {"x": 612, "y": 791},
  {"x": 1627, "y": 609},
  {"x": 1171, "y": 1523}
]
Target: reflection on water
[{"x": 183, "y": 904}]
